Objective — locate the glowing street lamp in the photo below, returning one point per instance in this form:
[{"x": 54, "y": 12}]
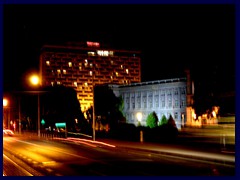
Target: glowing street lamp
[
  {"x": 139, "y": 117},
  {"x": 34, "y": 79},
  {"x": 5, "y": 102}
]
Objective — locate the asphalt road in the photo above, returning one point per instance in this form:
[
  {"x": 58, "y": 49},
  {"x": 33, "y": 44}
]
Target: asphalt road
[{"x": 33, "y": 156}]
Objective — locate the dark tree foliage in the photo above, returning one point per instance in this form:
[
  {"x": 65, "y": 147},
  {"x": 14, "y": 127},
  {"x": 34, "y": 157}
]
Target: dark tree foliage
[
  {"x": 108, "y": 106},
  {"x": 61, "y": 105},
  {"x": 171, "y": 122},
  {"x": 166, "y": 132}
]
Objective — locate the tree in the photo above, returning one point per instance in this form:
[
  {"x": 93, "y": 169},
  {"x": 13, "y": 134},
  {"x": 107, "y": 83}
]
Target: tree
[
  {"x": 61, "y": 105},
  {"x": 171, "y": 122},
  {"x": 163, "y": 120},
  {"x": 108, "y": 106},
  {"x": 152, "y": 120},
  {"x": 120, "y": 108}
]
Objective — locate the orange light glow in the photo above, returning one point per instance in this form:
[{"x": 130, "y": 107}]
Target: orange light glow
[
  {"x": 34, "y": 80},
  {"x": 5, "y": 102}
]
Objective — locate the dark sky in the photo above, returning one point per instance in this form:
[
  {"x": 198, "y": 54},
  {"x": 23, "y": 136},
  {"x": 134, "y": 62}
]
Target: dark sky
[{"x": 170, "y": 37}]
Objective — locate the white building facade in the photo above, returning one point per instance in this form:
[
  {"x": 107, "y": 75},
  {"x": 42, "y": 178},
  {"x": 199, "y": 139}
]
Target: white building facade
[{"x": 164, "y": 97}]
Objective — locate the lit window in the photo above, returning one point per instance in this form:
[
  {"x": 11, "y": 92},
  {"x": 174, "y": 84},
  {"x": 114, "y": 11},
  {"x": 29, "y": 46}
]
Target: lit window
[
  {"x": 111, "y": 77},
  {"x": 116, "y": 73},
  {"x": 70, "y": 64},
  {"x": 86, "y": 62},
  {"x": 111, "y": 61},
  {"x": 91, "y": 53},
  {"x": 52, "y": 83},
  {"x": 48, "y": 63},
  {"x": 127, "y": 71},
  {"x": 76, "y": 121},
  {"x": 91, "y": 65},
  {"x": 64, "y": 71},
  {"x": 102, "y": 53},
  {"x": 91, "y": 73},
  {"x": 58, "y": 82},
  {"x": 85, "y": 84},
  {"x": 58, "y": 71},
  {"x": 110, "y": 53},
  {"x": 121, "y": 66},
  {"x": 80, "y": 67},
  {"x": 75, "y": 84}
]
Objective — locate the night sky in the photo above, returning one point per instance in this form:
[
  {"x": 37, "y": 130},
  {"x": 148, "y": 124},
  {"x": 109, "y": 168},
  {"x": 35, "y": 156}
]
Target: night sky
[{"x": 170, "y": 37}]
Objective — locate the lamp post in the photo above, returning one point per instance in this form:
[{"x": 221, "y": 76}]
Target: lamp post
[
  {"x": 5, "y": 104},
  {"x": 35, "y": 81},
  {"x": 39, "y": 115},
  {"x": 19, "y": 115},
  {"x": 94, "y": 133},
  {"x": 93, "y": 126},
  {"x": 139, "y": 118}
]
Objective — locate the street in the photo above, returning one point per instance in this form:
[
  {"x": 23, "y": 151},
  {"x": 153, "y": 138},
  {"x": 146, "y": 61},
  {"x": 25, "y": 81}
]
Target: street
[{"x": 33, "y": 156}]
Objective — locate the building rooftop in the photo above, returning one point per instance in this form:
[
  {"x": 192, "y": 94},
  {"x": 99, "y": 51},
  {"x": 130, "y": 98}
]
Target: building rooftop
[{"x": 182, "y": 79}]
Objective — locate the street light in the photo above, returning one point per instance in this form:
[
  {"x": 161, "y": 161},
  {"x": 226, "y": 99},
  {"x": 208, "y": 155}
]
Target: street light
[
  {"x": 139, "y": 118},
  {"x": 93, "y": 126},
  {"x": 5, "y": 102},
  {"x": 5, "y": 105},
  {"x": 34, "y": 79},
  {"x": 94, "y": 133}
]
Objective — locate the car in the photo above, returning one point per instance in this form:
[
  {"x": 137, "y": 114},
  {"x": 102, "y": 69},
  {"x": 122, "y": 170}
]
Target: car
[{"x": 8, "y": 132}]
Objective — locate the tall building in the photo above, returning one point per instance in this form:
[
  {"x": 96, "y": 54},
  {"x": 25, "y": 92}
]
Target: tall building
[
  {"x": 84, "y": 65},
  {"x": 164, "y": 97}
]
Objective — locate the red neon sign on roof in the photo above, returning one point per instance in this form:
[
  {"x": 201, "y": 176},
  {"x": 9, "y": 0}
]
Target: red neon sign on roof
[{"x": 93, "y": 44}]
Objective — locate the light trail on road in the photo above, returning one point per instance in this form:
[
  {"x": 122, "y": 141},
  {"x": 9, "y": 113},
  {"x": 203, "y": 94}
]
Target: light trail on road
[{"x": 87, "y": 140}]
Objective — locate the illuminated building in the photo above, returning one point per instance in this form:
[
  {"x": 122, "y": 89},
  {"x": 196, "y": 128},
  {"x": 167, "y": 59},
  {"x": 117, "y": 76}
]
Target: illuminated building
[
  {"x": 165, "y": 97},
  {"x": 84, "y": 65}
]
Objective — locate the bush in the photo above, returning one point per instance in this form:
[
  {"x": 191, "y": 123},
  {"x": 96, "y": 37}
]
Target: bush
[
  {"x": 152, "y": 120},
  {"x": 166, "y": 132},
  {"x": 124, "y": 132},
  {"x": 163, "y": 120}
]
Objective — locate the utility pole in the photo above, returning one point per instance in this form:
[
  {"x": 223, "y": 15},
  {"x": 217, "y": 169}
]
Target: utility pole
[
  {"x": 39, "y": 115},
  {"x": 93, "y": 125},
  {"x": 94, "y": 135},
  {"x": 19, "y": 115}
]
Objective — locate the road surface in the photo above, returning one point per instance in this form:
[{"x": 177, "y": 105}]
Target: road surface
[{"x": 33, "y": 156}]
